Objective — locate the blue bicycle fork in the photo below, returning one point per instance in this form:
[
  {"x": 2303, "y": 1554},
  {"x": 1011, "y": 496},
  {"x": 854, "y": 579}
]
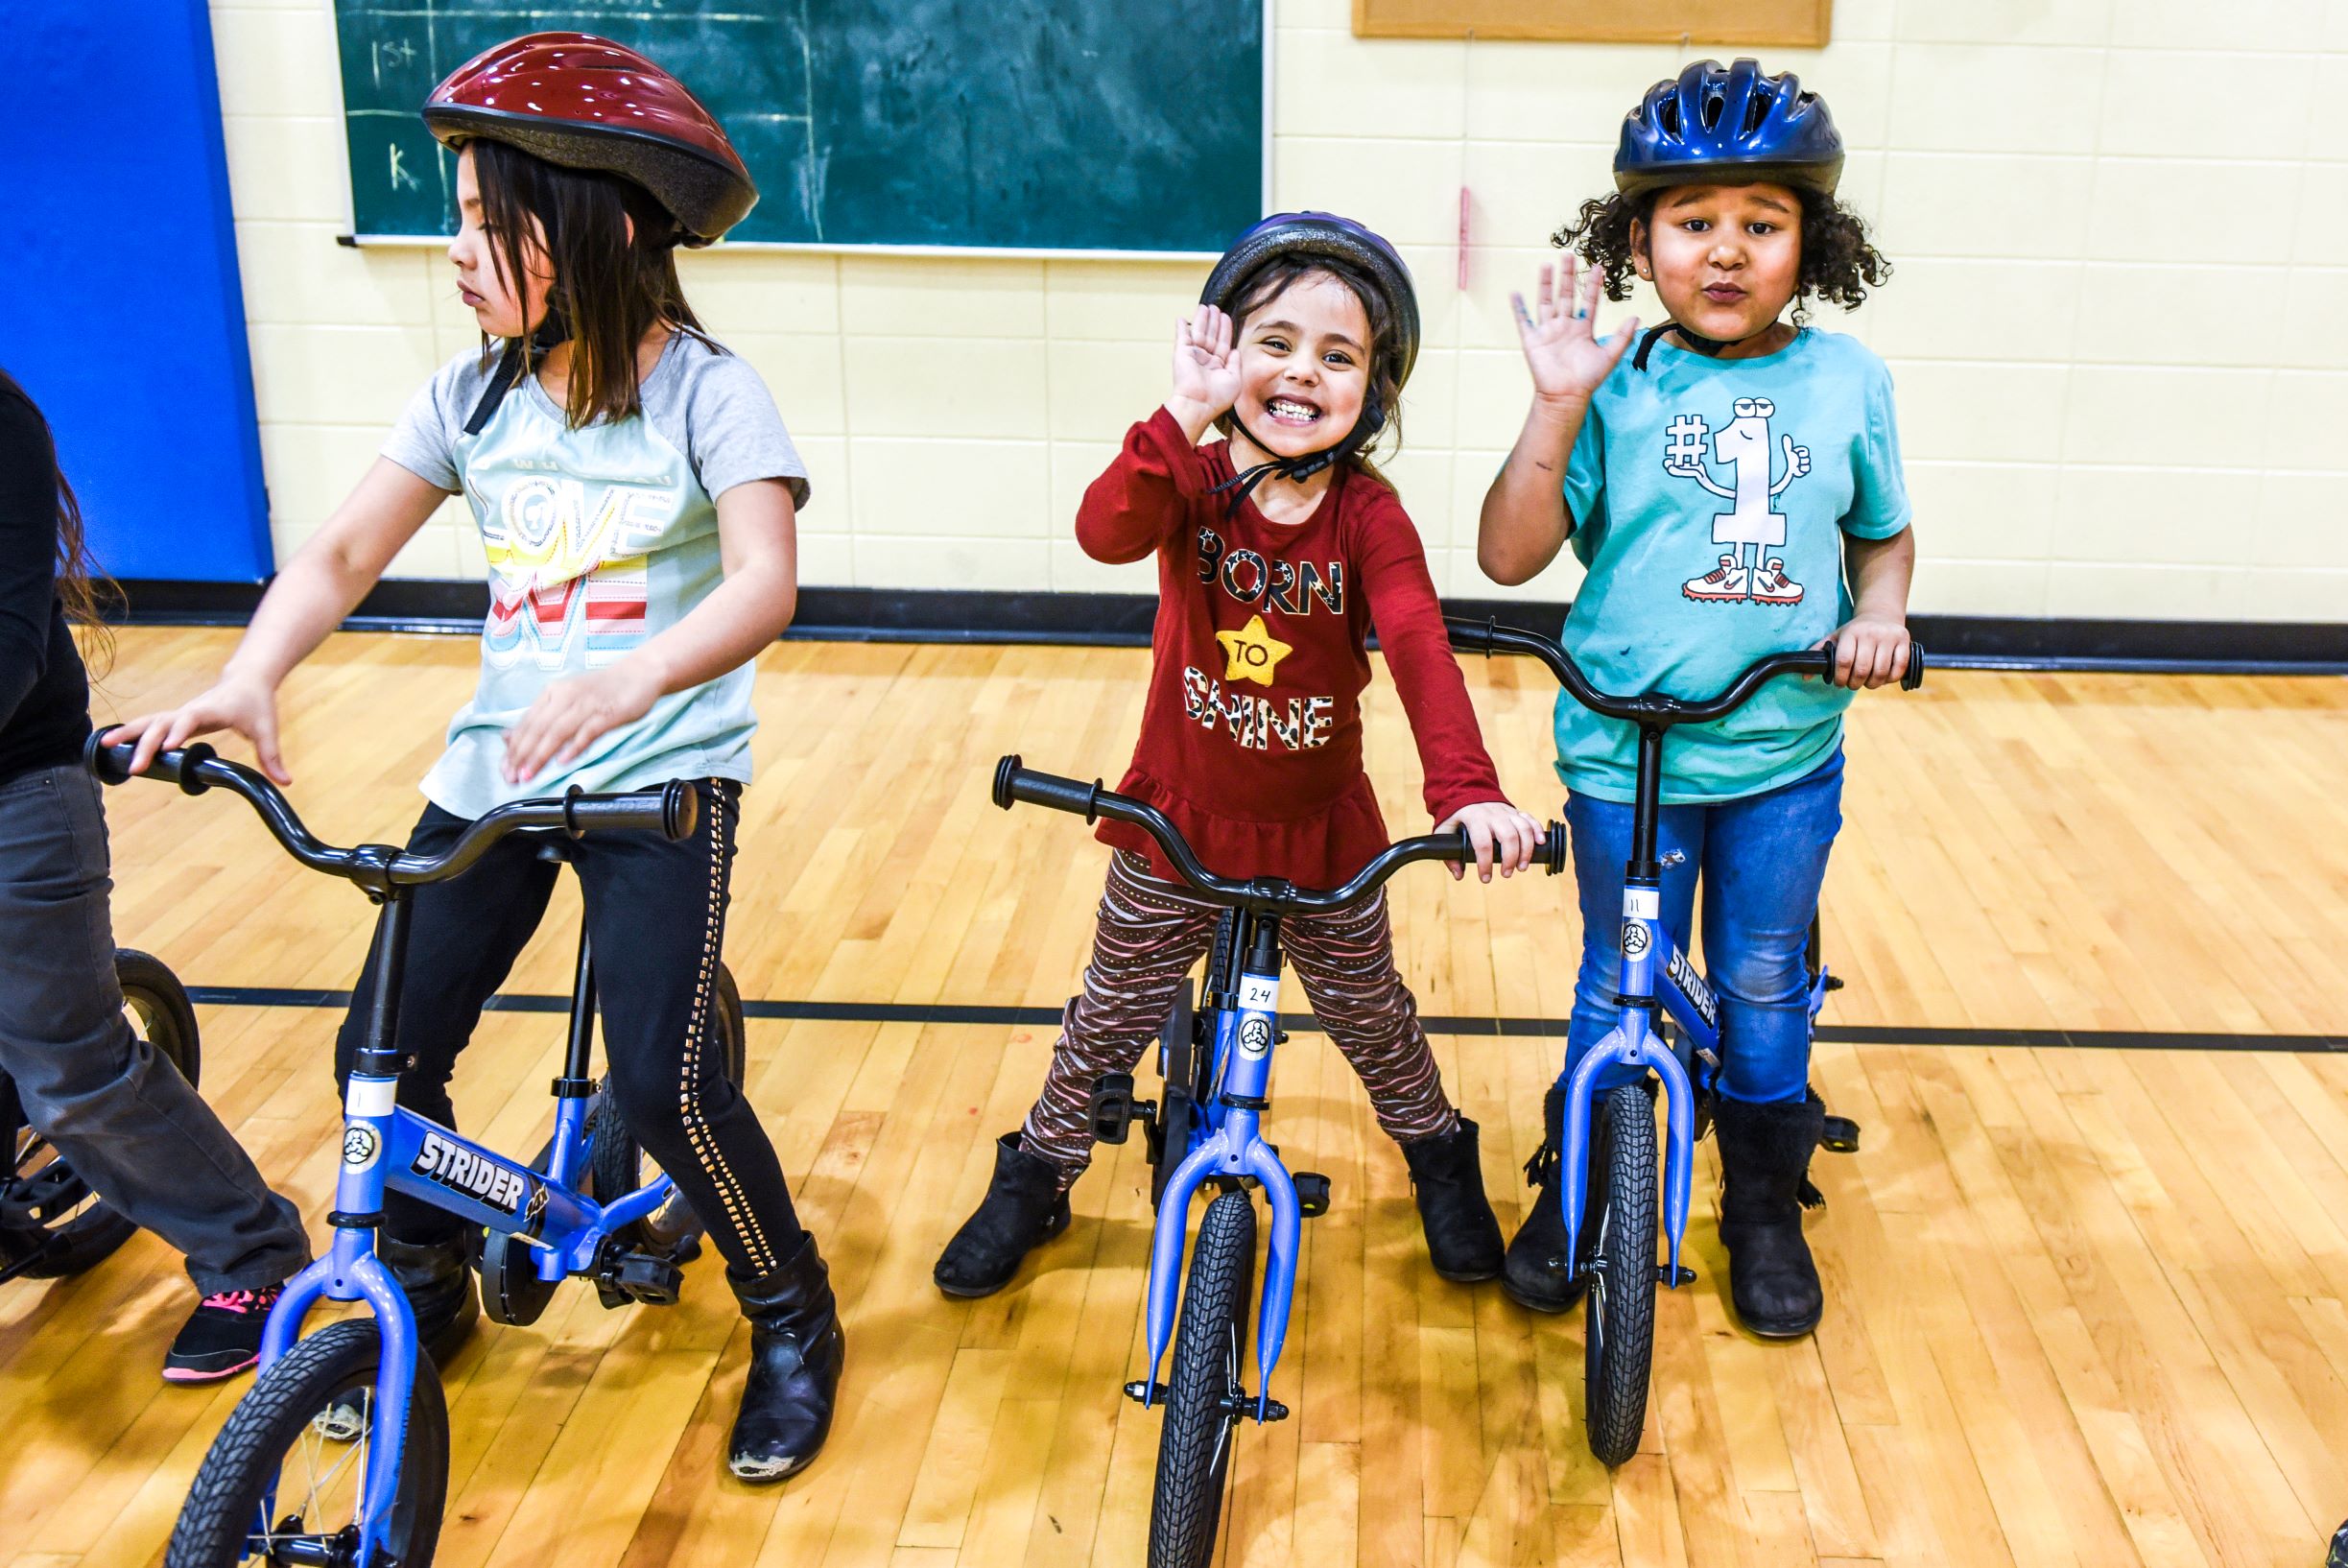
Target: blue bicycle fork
[
  {"x": 1633, "y": 1043},
  {"x": 1247, "y": 1029},
  {"x": 389, "y": 1147}
]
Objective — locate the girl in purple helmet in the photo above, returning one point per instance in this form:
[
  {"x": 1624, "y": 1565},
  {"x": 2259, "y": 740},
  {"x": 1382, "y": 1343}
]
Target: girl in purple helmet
[
  {"x": 1734, "y": 490},
  {"x": 1279, "y": 550}
]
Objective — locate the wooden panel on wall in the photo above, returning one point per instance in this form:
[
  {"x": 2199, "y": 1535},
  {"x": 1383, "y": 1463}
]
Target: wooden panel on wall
[{"x": 1802, "y": 24}]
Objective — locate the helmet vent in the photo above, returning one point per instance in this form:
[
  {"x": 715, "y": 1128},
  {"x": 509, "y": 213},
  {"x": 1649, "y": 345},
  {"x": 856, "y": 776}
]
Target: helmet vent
[
  {"x": 1713, "y": 105},
  {"x": 1668, "y": 116},
  {"x": 1756, "y": 111}
]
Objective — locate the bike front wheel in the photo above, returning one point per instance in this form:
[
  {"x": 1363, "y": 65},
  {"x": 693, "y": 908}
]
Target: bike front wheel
[
  {"x": 1203, "y": 1400},
  {"x": 1619, "y": 1327},
  {"x": 278, "y": 1486}
]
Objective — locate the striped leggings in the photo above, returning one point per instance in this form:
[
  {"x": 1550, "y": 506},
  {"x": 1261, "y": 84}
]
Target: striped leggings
[{"x": 1151, "y": 932}]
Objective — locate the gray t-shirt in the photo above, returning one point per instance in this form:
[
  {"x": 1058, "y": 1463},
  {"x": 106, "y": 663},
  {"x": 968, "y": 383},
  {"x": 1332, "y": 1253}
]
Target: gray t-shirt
[{"x": 599, "y": 539}]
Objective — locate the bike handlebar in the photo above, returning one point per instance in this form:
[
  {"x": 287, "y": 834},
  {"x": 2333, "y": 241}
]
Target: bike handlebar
[
  {"x": 1015, "y": 783},
  {"x": 672, "y": 811},
  {"x": 1487, "y": 636}
]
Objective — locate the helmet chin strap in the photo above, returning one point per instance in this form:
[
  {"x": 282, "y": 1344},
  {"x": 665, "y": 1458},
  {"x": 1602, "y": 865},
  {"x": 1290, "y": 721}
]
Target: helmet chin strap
[
  {"x": 1294, "y": 470},
  {"x": 1709, "y": 347},
  {"x": 520, "y": 353}
]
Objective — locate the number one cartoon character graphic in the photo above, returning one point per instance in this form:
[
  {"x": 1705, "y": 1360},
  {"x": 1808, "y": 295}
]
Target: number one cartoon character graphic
[{"x": 1744, "y": 446}]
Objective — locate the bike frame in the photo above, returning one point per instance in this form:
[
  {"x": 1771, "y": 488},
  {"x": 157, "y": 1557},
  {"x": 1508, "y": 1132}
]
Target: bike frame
[
  {"x": 1227, "y": 1141},
  {"x": 387, "y": 1147}
]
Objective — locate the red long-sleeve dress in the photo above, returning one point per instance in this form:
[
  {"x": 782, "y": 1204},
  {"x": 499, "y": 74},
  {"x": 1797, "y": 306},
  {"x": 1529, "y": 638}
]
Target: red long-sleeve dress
[{"x": 1252, "y": 739}]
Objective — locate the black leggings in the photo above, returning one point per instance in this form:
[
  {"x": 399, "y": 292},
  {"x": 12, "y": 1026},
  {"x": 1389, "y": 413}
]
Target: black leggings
[{"x": 655, "y": 916}]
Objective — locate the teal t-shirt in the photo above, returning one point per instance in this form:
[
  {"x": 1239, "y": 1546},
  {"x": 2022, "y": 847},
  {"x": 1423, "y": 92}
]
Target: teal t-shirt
[{"x": 1710, "y": 498}]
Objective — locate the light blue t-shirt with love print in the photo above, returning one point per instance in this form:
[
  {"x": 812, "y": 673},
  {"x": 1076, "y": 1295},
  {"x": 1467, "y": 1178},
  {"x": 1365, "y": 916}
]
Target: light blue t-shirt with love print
[
  {"x": 599, "y": 539},
  {"x": 1710, "y": 500}
]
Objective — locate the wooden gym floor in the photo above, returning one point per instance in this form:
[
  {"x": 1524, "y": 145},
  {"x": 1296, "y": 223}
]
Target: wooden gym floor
[{"x": 2086, "y": 1305}]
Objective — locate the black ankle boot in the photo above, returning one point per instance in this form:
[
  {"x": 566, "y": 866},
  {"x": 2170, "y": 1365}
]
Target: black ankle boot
[
  {"x": 1764, "y": 1163},
  {"x": 797, "y": 1347},
  {"x": 1024, "y": 1208},
  {"x": 1535, "y": 1274},
  {"x": 1462, "y": 1238},
  {"x": 439, "y": 1279}
]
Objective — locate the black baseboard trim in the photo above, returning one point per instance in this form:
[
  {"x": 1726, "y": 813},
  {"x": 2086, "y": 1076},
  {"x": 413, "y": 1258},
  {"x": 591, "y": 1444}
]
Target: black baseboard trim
[
  {"x": 1013, "y": 1017},
  {"x": 1957, "y": 642}
]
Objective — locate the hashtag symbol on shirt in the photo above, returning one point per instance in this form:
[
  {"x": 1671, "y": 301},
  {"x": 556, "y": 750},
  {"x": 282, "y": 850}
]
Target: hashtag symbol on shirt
[{"x": 1683, "y": 445}]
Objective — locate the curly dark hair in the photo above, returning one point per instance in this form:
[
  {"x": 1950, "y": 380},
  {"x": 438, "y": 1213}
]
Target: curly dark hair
[{"x": 1839, "y": 263}]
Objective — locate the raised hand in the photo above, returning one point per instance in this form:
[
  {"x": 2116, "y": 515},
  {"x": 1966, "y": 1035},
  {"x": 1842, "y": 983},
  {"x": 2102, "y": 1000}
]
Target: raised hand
[
  {"x": 1205, "y": 366},
  {"x": 1568, "y": 362}
]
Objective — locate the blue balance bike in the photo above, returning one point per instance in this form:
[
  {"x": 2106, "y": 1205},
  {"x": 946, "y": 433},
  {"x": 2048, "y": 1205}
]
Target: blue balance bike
[
  {"x": 1207, "y": 1132},
  {"x": 1610, "y": 1229},
  {"x": 338, "y": 1457}
]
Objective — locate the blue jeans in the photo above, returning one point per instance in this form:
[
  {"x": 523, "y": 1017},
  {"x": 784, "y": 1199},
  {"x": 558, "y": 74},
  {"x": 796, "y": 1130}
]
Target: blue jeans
[{"x": 1762, "y": 860}]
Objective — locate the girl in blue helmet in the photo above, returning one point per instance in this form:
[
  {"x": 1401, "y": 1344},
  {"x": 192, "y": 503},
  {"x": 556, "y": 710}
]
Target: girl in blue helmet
[{"x": 1733, "y": 491}]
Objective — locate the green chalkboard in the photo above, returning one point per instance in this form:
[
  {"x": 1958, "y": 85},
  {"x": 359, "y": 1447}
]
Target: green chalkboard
[{"x": 1063, "y": 125}]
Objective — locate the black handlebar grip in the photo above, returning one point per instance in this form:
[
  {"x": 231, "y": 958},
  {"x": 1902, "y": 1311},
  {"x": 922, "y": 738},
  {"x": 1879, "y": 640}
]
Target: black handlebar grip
[
  {"x": 671, "y": 811},
  {"x": 1476, "y": 636},
  {"x": 107, "y": 764},
  {"x": 1012, "y": 782},
  {"x": 112, "y": 764},
  {"x": 1555, "y": 853},
  {"x": 680, "y": 810},
  {"x": 1915, "y": 677}
]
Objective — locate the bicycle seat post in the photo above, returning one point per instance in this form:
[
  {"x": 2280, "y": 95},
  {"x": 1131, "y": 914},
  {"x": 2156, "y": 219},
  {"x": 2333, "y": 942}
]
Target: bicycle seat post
[{"x": 577, "y": 1084}]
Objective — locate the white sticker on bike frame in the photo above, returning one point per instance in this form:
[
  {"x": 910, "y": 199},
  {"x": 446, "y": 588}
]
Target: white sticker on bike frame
[
  {"x": 371, "y": 1096},
  {"x": 1259, "y": 993},
  {"x": 1643, "y": 903}
]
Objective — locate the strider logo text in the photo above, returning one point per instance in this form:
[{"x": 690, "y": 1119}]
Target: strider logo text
[{"x": 462, "y": 1171}]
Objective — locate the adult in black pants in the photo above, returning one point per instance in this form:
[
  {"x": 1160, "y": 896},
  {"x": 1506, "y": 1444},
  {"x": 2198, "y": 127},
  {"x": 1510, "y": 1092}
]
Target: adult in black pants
[{"x": 117, "y": 1111}]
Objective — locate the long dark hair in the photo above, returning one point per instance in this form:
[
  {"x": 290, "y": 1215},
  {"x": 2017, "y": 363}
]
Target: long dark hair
[
  {"x": 609, "y": 289},
  {"x": 1262, "y": 286},
  {"x": 81, "y": 586}
]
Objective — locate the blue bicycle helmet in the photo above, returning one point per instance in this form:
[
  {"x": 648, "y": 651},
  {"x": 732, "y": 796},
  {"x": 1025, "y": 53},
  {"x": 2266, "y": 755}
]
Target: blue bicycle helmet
[
  {"x": 1322, "y": 235},
  {"x": 1733, "y": 123}
]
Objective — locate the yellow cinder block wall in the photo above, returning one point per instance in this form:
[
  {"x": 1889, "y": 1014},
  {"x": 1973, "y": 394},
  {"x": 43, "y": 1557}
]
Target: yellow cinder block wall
[{"x": 2118, "y": 324}]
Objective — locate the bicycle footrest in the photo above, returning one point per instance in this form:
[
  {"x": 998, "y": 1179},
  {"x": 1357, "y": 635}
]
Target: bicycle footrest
[
  {"x": 1670, "y": 1278},
  {"x": 1841, "y": 1137},
  {"x": 1113, "y": 1110},
  {"x": 646, "y": 1277},
  {"x": 1312, "y": 1194}
]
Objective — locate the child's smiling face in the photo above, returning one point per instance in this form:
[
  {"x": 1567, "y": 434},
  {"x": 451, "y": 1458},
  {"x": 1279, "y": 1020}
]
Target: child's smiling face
[
  {"x": 1725, "y": 259},
  {"x": 480, "y": 279},
  {"x": 1304, "y": 367}
]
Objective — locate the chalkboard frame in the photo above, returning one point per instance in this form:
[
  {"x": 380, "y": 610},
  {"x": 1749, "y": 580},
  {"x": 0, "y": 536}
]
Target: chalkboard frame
[{"x": 350, "y": 237}]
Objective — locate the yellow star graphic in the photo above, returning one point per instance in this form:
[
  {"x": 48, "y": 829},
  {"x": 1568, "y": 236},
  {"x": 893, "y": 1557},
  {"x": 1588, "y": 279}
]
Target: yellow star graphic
[{"x": 1252, "y": 652}]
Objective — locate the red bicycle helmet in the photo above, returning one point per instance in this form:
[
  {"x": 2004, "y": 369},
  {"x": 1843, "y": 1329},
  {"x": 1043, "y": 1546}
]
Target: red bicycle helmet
[{"x": 587, "y": 103}]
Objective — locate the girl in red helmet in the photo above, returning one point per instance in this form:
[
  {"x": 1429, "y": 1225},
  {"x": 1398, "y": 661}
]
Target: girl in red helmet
[
  {"x": 636, "y": 495},
  {"x": 1279, "y": 550}
]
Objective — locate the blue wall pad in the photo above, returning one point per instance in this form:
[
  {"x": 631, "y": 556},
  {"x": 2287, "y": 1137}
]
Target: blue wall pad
[{"x": 126, "y": 321}]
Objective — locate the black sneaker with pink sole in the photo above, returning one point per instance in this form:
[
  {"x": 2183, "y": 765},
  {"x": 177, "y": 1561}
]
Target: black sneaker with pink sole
[{"x": 221, "y": 1338}]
